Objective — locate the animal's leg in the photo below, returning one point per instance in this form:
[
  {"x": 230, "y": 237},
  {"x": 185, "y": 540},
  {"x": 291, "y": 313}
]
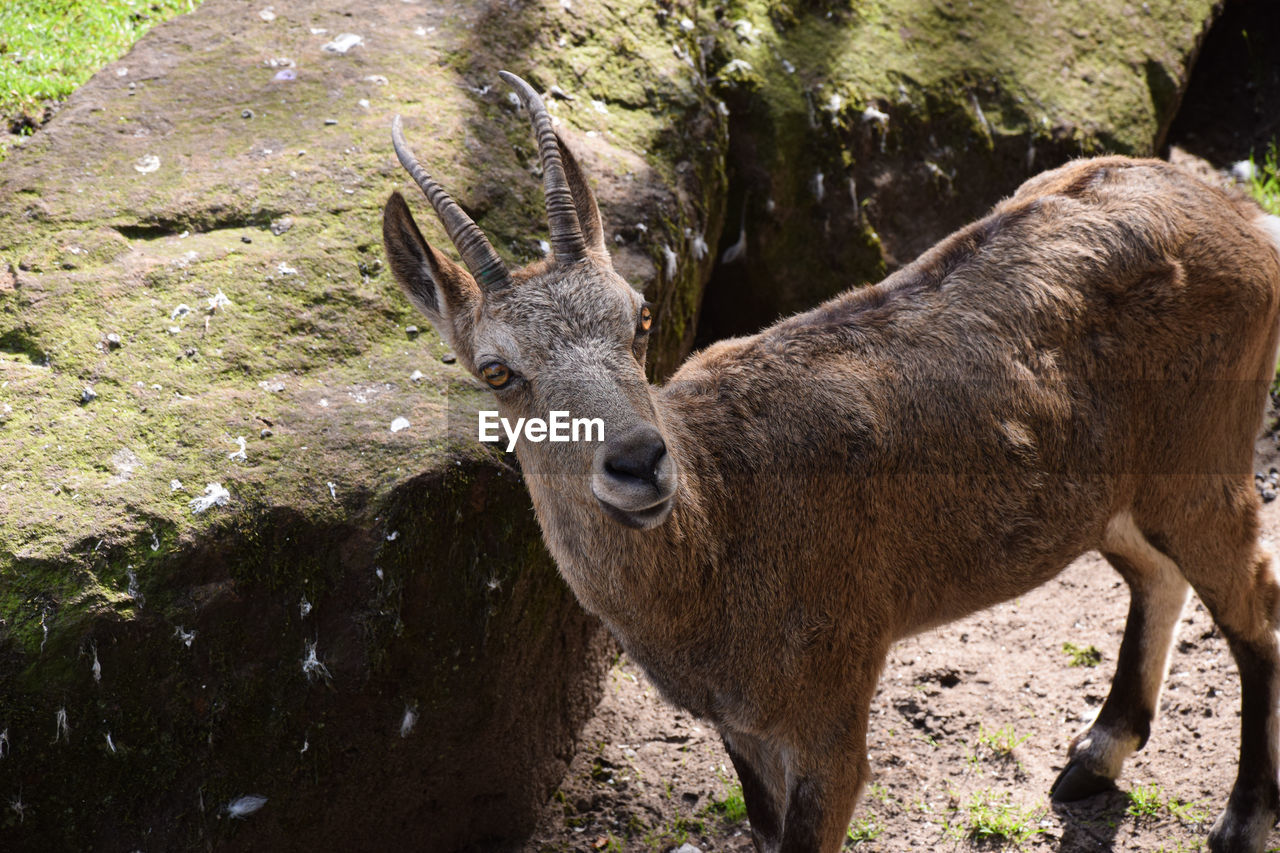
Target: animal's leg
[
  {"x": 1244, "y": 602},
  {"x": 1213, "y": 537},
  {"x": 1157, "y": 593},
  {"x": 764, "y": 787},
  {"x": 824, "y": 780}
]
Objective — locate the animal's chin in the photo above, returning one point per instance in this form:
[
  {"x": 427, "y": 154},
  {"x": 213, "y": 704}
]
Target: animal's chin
[{"x": 638, "y": 519}]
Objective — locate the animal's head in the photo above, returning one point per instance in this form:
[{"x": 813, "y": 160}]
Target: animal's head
[{"x": 564, "y": 334}]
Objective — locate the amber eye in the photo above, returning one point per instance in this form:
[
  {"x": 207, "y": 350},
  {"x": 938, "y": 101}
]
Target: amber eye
[
  {"x": 646, "y": 319},
  {"x": 496, "y": 374}
]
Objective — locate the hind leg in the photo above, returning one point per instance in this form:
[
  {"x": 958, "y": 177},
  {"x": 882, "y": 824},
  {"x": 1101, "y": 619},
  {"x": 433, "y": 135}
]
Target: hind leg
[
  {"x": 1244, "y": 606},
  {"x": 1214, "y": 542},
  {"x": 1157, "y": 593}
]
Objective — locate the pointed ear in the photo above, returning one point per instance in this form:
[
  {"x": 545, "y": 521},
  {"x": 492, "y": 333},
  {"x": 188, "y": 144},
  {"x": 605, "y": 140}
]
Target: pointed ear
[
  {"x": 585, "y": 201},
  {"x": 439, "y": 288}
]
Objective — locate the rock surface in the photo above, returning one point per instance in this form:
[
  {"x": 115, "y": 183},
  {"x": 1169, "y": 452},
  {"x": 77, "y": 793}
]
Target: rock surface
[
  {"x": 862, "y": 133},
  {"x": 228, "y": 569}
]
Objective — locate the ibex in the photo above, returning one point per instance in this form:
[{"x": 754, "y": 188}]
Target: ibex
[{"x": 1085, "y": 368}]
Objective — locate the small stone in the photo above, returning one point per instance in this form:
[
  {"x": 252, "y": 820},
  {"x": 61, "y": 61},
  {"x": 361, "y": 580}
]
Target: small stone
[
  {"x": 265, "y": 433},
  {"x": 88, "y": 395},
  {"x": 342, "y": 43},
  {"x": 448, "y": 358},
  {"x": 113, "y": 340},
  {"x": 1244, "y": 171},
  {"x": 147, "y": 164},
  {"x": 411, "y": 331},
  {"x": 399, "y": 424},
  {"x": 329, "y": 122},
  {"x": 246, "y": 239},
  {"x": 1268, "y": 495},
  {"x": 281, "y": 225},
  {"x": 246, "y": 114}
]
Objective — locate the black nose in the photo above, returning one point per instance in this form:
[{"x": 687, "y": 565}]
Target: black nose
[{"x": 636, "y": 455}]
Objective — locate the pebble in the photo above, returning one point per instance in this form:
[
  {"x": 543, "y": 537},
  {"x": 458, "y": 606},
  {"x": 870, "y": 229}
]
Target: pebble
[
  {"x": 330, "y": 121},
  {"x": 342, "y": 43},
  {"x": 113, "y": 340},
  {"x": 281, "y": 225},
  {"x": 246, "y": 239},
  {"x": 1268, "y": 484},
  {"x": 246, "y": 114},
  {"x": 448, "y": 358},
  {"x": 1244, "y": 171},
  {"x": 411, "y": 331},
  {"x": 88, "y": 395}
]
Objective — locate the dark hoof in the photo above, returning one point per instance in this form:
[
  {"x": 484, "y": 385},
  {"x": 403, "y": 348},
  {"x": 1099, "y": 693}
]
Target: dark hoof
[
  {"x": 1077, "y": 783},
  {"x": 1232, "y": 835}
]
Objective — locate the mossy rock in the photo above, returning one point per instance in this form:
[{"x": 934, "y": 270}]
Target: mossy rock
[
  {"x": 863, "y": 132},
  {"x": 191, "y": 256}
]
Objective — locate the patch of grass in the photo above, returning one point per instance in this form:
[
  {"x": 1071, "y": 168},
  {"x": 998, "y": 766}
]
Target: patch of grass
[
  {"x": 664, "y": 838},
  {"x": 1149, "y": 801},
  {"x": 1003, "y": 741},
  {"x": 1187, "y": 847},
  {"x": 1264, "y": 182},
  {"x": 990, "y": 818},
  {"x": 1082, "y": 655},
  {"x": 997, "y": 745},
  {"x": 732, "y": 808},
  {"x": 50, "y": 47},
  {"x": 1145, "y": 801},
  {"x": 608, "y": 843},
  {"x": 863, "y": 830},
  {"x": 879, "y": 793}
]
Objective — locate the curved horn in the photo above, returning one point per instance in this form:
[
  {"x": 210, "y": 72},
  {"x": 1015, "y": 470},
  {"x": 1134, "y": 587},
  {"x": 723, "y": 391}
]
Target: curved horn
[
  {"x": 566, "y": 232},
  {"x": 479, "y": 256}
]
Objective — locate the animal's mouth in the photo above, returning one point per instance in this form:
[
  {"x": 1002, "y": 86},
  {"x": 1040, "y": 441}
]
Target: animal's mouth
[
  {"x": 646, "y": 518},
  {"x": 634, "y": 478}
]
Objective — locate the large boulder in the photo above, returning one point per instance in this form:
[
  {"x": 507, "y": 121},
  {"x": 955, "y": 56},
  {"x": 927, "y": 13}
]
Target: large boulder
[
  {"x": 861, "y": 133},
  {"x": 226, "y": 573}
]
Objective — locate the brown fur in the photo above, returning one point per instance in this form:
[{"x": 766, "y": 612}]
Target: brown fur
[{"x": 1085, "y": 368}]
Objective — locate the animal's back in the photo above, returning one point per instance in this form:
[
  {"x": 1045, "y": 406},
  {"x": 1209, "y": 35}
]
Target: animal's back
[{"x": 1019, "y": 384}]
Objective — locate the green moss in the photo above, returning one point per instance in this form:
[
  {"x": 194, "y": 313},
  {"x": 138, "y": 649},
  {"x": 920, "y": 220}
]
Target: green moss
[{"x": 884, "y": 125}]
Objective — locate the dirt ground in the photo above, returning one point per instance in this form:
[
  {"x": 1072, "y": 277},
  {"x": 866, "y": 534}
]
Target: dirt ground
[{"x": 968, "y": 730}]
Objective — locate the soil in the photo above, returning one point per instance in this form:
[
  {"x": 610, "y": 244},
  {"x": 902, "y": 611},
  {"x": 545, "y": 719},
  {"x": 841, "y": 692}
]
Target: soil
[{"x": 648, "y": 777}]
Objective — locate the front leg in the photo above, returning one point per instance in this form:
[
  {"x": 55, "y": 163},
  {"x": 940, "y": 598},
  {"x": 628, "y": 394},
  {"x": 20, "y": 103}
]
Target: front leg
[
  {"x": 820, "y": 801},
  {"x": 764, "y": 786},
  {"x": 800, "y": 796}
]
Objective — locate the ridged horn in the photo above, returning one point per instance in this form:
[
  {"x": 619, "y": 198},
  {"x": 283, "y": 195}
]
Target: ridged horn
[
  {"x": 567, "y": 241},
  {"x": 477, "y": 253}
]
